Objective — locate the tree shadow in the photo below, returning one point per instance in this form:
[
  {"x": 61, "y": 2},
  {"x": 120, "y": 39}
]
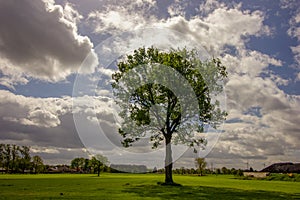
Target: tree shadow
[{"x": 189, "y": 192}]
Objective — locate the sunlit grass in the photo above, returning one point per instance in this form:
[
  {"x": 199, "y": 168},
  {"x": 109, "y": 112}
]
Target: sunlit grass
[{"x": 141, "y": 186}]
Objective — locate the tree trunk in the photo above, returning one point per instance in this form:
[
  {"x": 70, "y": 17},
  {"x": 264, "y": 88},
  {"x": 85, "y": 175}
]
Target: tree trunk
[
  {"x": 168, "y": 162},
  {"x": 7, "y": 168},
  {"x": 98, "y": 170}
]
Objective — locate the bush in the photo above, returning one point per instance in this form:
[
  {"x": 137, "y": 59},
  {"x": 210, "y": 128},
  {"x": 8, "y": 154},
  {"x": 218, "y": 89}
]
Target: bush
[{"x": 283, "y": 177}]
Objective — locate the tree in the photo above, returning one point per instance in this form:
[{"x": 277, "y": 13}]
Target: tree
[
  {"x": 14, "y": 157},
  {"x": 200, "y": 164},
  {"x": 37, "y": 164},
  {"x": 2, "y": 155},
  {"x": 165, "y": 105},
  {"x": 233, "y": 171},
  {"x": 97, "y": 162},
  {"x": 239, "y": 172},
  {"x": 86, "y": 166},
  {"x": 7, "y": 157},
  {"x": 78, "y": 163},
  {"x": 225, "y": 170},
  {"x": 24, "y": 161}
]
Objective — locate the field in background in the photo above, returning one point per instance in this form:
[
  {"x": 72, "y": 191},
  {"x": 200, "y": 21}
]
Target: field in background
[{"x": 141, "y": 186}]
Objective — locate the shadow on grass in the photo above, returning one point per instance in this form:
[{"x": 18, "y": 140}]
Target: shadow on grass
[{"x": 188, "y": 192}]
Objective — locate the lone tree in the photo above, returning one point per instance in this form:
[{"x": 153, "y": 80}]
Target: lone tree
[
  {"x": 200, "y": 164},
  {"x": 97, "y": 162},
  {"x": 168, "y": 94}
]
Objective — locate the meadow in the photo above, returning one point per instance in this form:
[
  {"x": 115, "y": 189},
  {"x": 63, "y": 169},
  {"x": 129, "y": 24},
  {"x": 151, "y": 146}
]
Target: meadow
[{"x": 142, "y": 186}]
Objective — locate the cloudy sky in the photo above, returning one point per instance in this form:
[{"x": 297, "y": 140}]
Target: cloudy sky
[{"x": 43, "y": 44}]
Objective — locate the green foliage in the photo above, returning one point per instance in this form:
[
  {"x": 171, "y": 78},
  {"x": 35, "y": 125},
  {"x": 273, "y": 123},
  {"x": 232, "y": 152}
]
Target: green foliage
[
  {"x": 276, "y": 177},
  {"x": 37, "y": 164},
  {"x": 218, "y": 171},
  {"x": 98, "y": 162},
  {"x": 283, "y": 177},
  {"x": 15, "y": 159},
  {"x": 24, "y": 162},
  {"x": 224, "y": 170},
  {"x": 166, "y": 119},
  {"x": 173, "y": 98},
  {"x": 78, "y": 163},
  {"x": 200, "y": 164},
  {"x": 239, "y": 172}
]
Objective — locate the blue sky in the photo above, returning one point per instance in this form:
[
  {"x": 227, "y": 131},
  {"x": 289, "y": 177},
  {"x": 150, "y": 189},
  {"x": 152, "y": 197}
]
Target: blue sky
[{"x": 43, "y": 44}]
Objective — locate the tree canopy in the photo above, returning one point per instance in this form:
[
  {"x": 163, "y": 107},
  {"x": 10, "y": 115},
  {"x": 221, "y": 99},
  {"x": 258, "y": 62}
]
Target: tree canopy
[
  {"x": 97, "y": 162},
  {"x": 200, "y": 164},
  {"x": 168, "y": 94},
  {"x": 16, "y": 159}
]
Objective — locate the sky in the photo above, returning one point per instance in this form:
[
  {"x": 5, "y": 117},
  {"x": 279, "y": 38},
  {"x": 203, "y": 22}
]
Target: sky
[{"x": 50, "y": 52}]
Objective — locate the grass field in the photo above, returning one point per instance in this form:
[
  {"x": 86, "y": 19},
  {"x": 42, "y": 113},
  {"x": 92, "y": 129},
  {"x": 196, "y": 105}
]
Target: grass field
[{"x": 141, "y": 186}]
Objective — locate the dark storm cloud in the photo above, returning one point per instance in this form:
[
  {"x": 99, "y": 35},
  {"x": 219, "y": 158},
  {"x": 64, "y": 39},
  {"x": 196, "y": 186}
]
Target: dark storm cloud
[
  {"x": 41, "y": 39},
  {"x": 64, "y": 135}
]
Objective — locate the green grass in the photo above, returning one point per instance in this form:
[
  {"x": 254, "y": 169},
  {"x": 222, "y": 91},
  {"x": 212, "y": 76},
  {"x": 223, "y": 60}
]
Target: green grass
[{"x": 141, "y": 186}]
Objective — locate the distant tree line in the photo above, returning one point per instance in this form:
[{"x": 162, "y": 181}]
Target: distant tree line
[
  {"x": 84, "y": 165},
  {"x": 202, "y": 170},
  {"x": 216, "y": 171},
  {"x": 99, "y": 163},
  {"x": 128, "y": 168},
  {"x": 17, "y": 159}
]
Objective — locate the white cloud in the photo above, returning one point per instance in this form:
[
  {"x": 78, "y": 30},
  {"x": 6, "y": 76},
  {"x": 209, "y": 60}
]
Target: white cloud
[
  {"x": 11, "y": 76},
  {"x": 297, "y": 18},
  {"x": 297, "y": 77},
  {"x": 50, "y": 122},
  {"x": 38, "y": 149},
  {"x": 116, "y": 20},
  {"x": 296, "y": 52},
  {"x": 176, "y": 9},
  {"x": 222, "y": 29},
  {"x": 294, "y": 32},
  {"x": 209, "y": 6},
  {"x": 271, "y": 132},
  {"x": 285, "y": 4},
  {"x": 223, "y": 26},
  {"x": 127, "y": 15},
  {"x": 33, "y": 111},
  {"x": 41, "y": 118},
  {"x": 40, "y": 39},
  {"x": 219, "y": 28},
  {"x": 252, "y": 63},
  {"x": 137, "y": 4}
]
